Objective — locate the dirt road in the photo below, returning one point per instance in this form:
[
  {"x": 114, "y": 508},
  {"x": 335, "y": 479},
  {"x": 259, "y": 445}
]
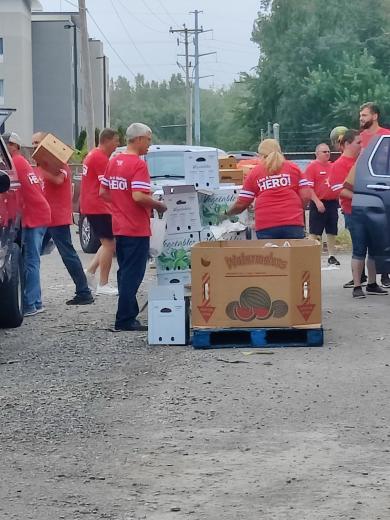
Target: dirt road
[{"x": 99, "y": 425}]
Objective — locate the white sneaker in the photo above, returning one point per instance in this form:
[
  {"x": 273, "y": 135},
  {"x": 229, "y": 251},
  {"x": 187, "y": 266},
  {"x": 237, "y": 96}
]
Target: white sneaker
[
  {"x": 90, "y": 280},
  {"x": 107, "y": 289}
]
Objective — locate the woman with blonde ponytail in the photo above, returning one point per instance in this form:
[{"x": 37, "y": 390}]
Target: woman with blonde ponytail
[{"x": 280, "y": 192}]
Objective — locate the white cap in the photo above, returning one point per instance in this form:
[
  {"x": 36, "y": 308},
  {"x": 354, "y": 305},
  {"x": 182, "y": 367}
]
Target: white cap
[{"x": 12, "y": 137}]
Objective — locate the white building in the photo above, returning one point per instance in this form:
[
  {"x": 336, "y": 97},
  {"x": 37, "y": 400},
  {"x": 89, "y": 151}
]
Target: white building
[{"x": 41, "y": 72}]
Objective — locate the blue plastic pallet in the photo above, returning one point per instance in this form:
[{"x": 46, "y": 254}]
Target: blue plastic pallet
[{"x": 257, "y": 338}]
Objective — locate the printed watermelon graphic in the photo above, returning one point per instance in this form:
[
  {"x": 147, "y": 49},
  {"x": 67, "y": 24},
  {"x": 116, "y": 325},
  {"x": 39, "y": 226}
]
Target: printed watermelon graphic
[{"x": 255, "y": 304}]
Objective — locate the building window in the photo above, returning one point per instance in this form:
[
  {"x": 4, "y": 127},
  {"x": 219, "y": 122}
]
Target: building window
[
  {"x": 1, "y": 92},
  {"x": 1, "y": 50}
]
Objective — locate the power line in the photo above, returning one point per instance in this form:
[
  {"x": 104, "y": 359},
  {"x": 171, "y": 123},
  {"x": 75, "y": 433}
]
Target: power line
[
  {"x": 130, "y": 38},
  {"x": 111, "y": 46},
  {"x": 167, "y": 12},
  {"x": 139, "y": 19},
  {"x": 153, "y": 13}
]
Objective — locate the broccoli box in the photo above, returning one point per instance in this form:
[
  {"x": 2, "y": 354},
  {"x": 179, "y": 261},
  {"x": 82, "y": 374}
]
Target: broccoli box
[
  {"x": 176, "y": 254},
  {"x": 214, "y": 203}
]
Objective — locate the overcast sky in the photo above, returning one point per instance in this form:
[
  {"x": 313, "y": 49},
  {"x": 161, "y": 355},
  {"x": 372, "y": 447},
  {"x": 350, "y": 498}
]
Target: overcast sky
[{"x": 141, "y": 43}]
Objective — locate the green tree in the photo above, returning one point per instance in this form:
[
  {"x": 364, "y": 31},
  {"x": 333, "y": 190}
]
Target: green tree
[{"x": 305, "y": 45}]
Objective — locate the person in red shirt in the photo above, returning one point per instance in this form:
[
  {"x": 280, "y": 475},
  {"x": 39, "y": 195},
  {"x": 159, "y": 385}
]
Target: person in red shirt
[
  {"x": 323, "y": 212},
  {"x": 58, "y": 193},
  {"x": 126, "y": 184},
  {"x": 369, "y": 123},
  {"x": 98, "y": 211},
  {"x": 279, "y": 190},
  {"x": 350, "y": 144},
  {"x": 36, "y": 216}
]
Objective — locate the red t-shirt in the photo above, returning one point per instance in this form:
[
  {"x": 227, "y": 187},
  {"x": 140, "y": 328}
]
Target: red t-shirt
[
  {"x": 36, "y": 210},
  {"x": 126, "y": 173},
  {"x": 277, "y": 195},
  {"x": 366, "y": 135},
  {"x": 94, "y": 167},
  {"x": 338, "y": 174},
  {"x": 59, "y": 197},
  {"x": 317, "y": 173}
]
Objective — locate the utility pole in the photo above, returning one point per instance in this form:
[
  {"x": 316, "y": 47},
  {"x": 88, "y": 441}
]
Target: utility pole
[
  {"x": 196, "y": 56},
  {"x": 189, "y": 92},
  {"x": 196, "y": 86},
  {"x": 188, "y": 83},
  {"x": 90, "y": 122},
  {"x": 75, "y": 80},
  {"x": 196, "y": 31}
]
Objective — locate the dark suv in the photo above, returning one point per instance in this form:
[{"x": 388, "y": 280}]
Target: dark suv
[
  {"x": 11, "y": 262},
  {"x": 371, "y": 200}
]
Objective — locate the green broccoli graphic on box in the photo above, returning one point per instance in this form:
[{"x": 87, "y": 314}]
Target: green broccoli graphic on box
[
  {"x": 212, "y": 213},
  {"x": 176, "y": 260}
]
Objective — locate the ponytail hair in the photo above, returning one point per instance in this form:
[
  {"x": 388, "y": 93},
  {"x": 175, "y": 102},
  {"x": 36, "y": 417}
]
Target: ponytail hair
[{"x": 272, "y": 156}]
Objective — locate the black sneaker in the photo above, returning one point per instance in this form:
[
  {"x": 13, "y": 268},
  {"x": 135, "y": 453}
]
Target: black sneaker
[
  {"x": 373, "y": 288},
  {"x": 363, "y": 282},
  {"x": 135, "y": 325},
  {"x": 358, "y": 292},
  {"x": 81, "y": 300},
  {"x": 332, "y": 260},
  {"x": 385, "y": 280}
]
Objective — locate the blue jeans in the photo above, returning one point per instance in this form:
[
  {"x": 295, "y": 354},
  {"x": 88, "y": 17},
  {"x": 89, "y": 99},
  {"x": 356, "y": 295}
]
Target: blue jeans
[
  {"x": 132, "y": 256},
  {"x": 63, "y": 241},
  {"x": 32, "y": 299},
  {"x": 361, "y": 237},
  {"x": 281, "y": 232}
]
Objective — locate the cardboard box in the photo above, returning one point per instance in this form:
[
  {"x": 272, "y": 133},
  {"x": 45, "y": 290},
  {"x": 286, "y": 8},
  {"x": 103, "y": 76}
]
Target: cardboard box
[
  {"x": 246, "y": 169},
  {"x": 174, "y": 278},
  {"x": 201, "y": 169},
  {"x": 176, "y": 254},
  {"x": 52, "y": 154},
  {"x": 168, "y": 316},
  {"x": 252, "y": 284},
  {"x": 227, "y": 162},
  {"x": 231, "y": 176},
  {"x": 183, "y": 209},
  {"x": 214, "y": 203},
  {"x": 207, "y": 236}
]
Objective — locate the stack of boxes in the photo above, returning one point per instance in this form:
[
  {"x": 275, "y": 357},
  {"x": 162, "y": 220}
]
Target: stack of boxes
[{"x": 192, "y": 208}]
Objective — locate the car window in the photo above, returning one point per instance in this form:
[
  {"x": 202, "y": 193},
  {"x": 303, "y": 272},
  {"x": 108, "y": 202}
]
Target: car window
[
  {"x": 380, "y": 161},
  {"x": 166, "y": 164},
  {"x": 4, "y": 162}
]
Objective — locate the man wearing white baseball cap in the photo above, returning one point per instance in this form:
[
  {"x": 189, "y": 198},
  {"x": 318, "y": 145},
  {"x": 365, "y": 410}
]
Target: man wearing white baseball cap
[{"x": 36, "y": 216}]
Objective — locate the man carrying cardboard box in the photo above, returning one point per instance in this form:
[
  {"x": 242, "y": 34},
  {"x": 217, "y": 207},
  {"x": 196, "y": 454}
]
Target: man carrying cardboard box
[{"x": 58, "y": 192}]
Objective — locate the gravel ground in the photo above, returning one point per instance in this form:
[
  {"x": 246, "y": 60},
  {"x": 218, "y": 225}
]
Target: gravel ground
[{"x": 99, "y": 425}]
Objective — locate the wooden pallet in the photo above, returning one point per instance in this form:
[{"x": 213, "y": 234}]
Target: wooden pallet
[{"x": 257, "y": 338}]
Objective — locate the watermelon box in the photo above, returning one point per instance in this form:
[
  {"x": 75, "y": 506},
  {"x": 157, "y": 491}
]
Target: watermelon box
[{"x": 256, "y": 283}]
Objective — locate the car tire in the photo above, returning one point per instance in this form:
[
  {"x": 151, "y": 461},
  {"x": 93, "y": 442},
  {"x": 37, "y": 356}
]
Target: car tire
[
  {"x": 88, "y": 241},
  {"x": 11, "y": 291}
]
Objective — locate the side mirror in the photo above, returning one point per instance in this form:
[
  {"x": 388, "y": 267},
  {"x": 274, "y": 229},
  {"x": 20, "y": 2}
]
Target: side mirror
[{"x": 5, "y": 181}]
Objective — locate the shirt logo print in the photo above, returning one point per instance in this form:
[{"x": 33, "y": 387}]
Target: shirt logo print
[
  {"x": 280, "y": 180},
  {"x": 33, "y": 178}
]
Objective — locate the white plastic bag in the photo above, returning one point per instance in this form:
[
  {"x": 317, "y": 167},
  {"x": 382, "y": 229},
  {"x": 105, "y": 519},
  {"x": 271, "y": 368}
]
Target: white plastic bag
[{"x": 158, "y": 228}]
